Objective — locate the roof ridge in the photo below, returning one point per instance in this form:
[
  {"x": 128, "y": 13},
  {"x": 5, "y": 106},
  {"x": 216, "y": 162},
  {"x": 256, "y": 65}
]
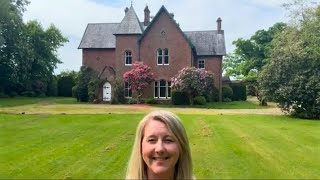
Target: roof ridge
[
  {"x": 103, "y": 23},
  {"x": 202, "y": 31}
]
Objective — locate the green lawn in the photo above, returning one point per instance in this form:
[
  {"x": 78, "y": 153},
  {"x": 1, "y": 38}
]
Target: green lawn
[
  {"x": 98, "y": 146},
  {"x": 19, "y": 101}
]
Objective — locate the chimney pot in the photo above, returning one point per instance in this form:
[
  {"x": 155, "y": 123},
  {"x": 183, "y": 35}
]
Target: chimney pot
[
  {"x": 146, "y": 16},
  {"x": 126, "y": 10},
  {"x": 219, "y": 24}
]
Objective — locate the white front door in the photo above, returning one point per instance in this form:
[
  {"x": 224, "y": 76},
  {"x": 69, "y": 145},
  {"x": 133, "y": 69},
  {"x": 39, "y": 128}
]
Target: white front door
[{"x": 107, "y": 92}]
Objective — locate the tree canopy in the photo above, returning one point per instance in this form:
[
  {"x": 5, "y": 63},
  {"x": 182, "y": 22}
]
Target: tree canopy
[
  {"x": 292, "y": 78},
  {"x": 28, "y": 52}
]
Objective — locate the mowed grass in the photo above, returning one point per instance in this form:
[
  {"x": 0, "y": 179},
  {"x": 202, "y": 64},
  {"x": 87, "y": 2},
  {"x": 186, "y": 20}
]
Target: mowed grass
[
  {"x": 19, "y": 101},
  {"x": 98, "y": 146}
]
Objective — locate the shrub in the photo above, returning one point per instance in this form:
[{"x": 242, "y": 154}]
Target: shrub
[
  {"x": 132, "y": 101},
  {"x": 179, "y": 98},
  {"x": 227, "y": 92},
  {"x": 118, "y": 97},
  {"x": 28, "y": 93},
  {"x": 193, "y": 81},
  {"x": 85, "y": 76},
  {"x": 199, "y": 100},
  {"x": 227, "y": 100},
  {"x": 151, "y": 101},
  {"x": 239, "y": 92},
  {"x": 65, "y": 84},
  {"x": 75, "y": 92}
]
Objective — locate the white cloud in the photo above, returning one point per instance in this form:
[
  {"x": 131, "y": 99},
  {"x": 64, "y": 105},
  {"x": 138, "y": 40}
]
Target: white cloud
[{"x": 240, "y": 18}]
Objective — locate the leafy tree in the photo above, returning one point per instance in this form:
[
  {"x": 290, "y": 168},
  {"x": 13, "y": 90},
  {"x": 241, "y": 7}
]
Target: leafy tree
[
  {"x": 11, "y": 26},
  {"x": 293, "y": 75},
  {"x": 42, "y": 60},
  {"x": 139, "y": 78},
  {"x": 193, "y": 81},
  {"x": 251, "y": 55}
]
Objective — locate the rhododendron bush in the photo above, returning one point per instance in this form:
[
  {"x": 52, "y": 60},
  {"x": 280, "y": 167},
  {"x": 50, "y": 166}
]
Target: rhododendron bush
[
  {"x": 139, "y": 78},
  {"x": 193, "y": 81}
]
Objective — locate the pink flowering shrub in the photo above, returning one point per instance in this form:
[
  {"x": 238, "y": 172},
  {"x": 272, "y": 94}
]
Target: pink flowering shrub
[
  {"x": 193, "y": 81},
  {"x": 139, "y": 78}
]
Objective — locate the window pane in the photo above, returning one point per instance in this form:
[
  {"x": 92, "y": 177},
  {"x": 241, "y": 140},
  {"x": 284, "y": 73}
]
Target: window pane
[
  {"x": 162, "y": 91},
  {"x": 163, "y": 88},
  {"x": 156, "y": 89},
  {"x": 159, "y": 56},
  {"x": 163, "y": 83},
  {"x": 166, "y": 52},
  {"x": 159, "y": 59},
  {"x": 166, "y": 59},
  {"x": 201, "y": 63},
  {"x": 128, "y": 57},
  {"x": 127, "y": 90}
]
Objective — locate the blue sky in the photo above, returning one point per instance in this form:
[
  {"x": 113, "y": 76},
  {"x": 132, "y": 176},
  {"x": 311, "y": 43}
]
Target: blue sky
[{"x": 240, "y": 18}]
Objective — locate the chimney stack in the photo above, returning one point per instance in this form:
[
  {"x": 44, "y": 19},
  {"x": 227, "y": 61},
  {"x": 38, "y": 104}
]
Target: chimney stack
[
  {"x": 126, "y": 10},
  {"x": 146, "y": 16},
  {"x": 219, "y": 24}
]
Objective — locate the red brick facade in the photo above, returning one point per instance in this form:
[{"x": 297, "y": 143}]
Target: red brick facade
[{"x": 163, "y": 33}]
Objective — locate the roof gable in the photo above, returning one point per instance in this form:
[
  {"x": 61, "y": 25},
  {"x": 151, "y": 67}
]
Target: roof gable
[
  {"x": 130, "y": 24},
  {"x": 164, "y": 10}
]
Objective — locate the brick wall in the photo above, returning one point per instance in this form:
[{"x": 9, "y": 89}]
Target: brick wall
[{"x": 180, "y": 54}]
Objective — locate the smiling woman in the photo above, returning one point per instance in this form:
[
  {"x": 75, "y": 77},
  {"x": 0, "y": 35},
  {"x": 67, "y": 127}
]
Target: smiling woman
[{"x": 161, "y": 149}]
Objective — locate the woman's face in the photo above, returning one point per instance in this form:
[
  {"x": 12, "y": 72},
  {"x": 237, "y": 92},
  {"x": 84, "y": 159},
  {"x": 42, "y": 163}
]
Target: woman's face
[{"x": 160, "y": 150}]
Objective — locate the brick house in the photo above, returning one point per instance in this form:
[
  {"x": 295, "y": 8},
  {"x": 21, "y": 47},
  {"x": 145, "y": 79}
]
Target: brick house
[{"x": 111, "y": 48}]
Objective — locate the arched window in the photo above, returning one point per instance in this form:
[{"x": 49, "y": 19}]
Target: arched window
[
  {"x": 162, "y": 89},
  {"x": 166, "y": 56},
  {"x": 162, "y": 57},
  {"x": 128, "y": 58},
  {"x": 159, "y": 57}
]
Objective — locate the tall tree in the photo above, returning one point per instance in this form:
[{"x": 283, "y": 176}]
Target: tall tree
[
  {"x": 292, "y": 77},
  {"x": 251, "y": 55},
  {"x": 11, "y": 25}
]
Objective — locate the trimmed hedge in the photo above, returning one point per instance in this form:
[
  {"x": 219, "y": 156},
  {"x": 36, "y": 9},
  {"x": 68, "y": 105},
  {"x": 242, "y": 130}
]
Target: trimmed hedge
[
  {"x": 179, "y": 98},
  {"x": 199, "y": 100},
  {"x": 65, "y": 85},
  {"x": 227, "y": 92},
  {"x": 239, "y": 92}
]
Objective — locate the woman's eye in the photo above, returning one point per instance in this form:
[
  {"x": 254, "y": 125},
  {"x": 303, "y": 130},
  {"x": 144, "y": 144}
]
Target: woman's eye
[
  {"x": 151, "y": 140},
  {"x": 169, "y": 140}
]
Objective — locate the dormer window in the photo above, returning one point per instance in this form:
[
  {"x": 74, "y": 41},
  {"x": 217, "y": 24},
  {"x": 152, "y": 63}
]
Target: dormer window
[
  {"x": 162, "y": 57},
  {"x": 128, "y": 58}
]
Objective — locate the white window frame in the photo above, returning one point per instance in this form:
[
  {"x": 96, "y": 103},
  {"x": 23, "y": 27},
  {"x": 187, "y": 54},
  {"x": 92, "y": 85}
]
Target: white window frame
[
  {"x": 159, "y": 56},
  {"x": 163, "y": 56},
  {"x": 157, "y": 88},
  {"x": 204, "y": 63},
  {"x": 127, "y": 55},
  {"x": 127, "y": 90}
]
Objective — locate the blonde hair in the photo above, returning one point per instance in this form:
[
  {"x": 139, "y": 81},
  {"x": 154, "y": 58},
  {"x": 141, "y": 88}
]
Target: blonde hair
[{"x": 137, "y": 167}]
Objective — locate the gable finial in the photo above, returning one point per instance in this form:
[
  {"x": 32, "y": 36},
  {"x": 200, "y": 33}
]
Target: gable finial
[{"x": 131, "y": 3}]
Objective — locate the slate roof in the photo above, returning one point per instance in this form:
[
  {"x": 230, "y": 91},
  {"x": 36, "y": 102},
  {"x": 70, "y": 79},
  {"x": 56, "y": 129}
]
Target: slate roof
[
  {"x": 207, "y": 42},
  {"x": 102, "y": 35},
  {"x": 99, "y": 36},
  {"x": 130, "y": 24}
]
